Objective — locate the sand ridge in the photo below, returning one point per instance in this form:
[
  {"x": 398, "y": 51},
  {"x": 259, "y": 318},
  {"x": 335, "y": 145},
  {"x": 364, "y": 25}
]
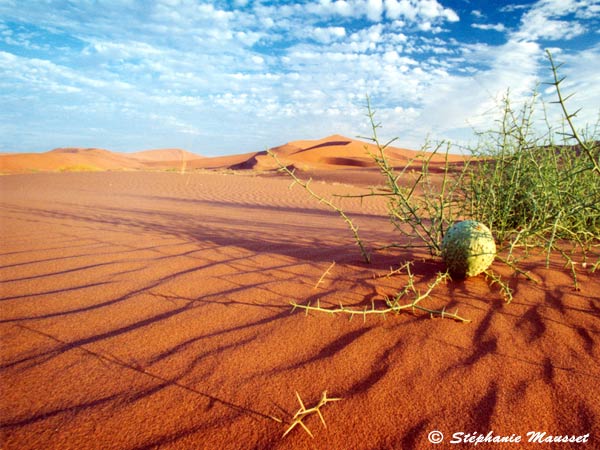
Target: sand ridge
[
  {"x": 151, "y": 310},
  {"x": 76, "y": 159},
  {"x": 164, "y": 154},
  {"x": 324, "y": 158}
]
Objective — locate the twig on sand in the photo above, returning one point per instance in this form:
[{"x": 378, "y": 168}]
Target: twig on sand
[
  {"x": 303, "y": 412},
  {"x": 394, "y": 304},
  {"x": 324, "y": 275},
  {"x": 305, "y": 185}
]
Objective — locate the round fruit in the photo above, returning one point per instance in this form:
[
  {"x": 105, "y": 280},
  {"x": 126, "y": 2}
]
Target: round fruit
[{"x": 468, "y": 248}]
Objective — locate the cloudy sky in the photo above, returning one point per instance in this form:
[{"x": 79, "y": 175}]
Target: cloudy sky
[{"x": 219, "y": 77}]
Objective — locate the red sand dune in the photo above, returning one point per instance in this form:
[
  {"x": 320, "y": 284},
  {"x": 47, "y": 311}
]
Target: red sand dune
[
  {"x": 241, "y": 161},
  {"x": 334, "y": 158},
  {"x": 321, "y": 159},
  {"x": 333, "y": 151},
  {"x": 151, "y": 310},
  {"x": 163, "y": 154},
  {"x": 341, "y": 159},
  {"x": 73, "y": 159},
  {"x": 66, "y": 159}
]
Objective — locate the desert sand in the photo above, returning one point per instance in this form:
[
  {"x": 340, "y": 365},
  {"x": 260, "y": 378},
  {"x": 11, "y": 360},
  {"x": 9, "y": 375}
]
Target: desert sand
[
  {"x": 332, "y": 158},
  {"x": 147, "y": 309},
  {"x": 76, "y": 159}
]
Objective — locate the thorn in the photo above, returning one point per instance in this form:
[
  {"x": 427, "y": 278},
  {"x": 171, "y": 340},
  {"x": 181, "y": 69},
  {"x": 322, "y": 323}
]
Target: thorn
[
  {"x": 306, "y": 429},
  {"x": 300, "y": 401},
  {"x": 321, "y": 417},
  {"x": 291, "y": 427}
]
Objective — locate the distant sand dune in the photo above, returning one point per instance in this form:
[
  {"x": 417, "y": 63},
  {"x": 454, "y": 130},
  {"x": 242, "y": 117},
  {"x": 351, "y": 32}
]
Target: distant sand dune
[
  {"x": 163, "y": 155},
  {"x": 327, "y": 154},
  {"x": 74, "y": 158},
  {"x": 66, "y": 158}
]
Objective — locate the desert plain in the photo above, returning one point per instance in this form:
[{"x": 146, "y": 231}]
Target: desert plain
[{"x": 145, "y": 303}]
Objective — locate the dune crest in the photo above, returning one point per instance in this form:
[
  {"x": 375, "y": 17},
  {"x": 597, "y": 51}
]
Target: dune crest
[
  {"x": 336, "y": 157},
  {"x": 164, "y": 154},
  {"x": 78, "y": 159},
  {"x": 333, "y": 158}
]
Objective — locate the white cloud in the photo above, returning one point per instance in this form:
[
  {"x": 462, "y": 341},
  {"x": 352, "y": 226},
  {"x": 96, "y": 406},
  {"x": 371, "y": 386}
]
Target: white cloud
[
  {"x": 591, "y": 9},
  {"x": 402, "y": 8},
  {"x": 431, "y": 9},
  {"x": 374, "y": 10},
  {"x": 281, "y": 71},
  {"x": 518, "y": 65},
  {"x": 543, "y": 20},
  {"x": 178, "y": 100},
  {"x": 121, "y": 50},
  {"x": 189, "y": 11},
  {"x": 328, "y": 34},
  {"x": 540, "y": 26},
  {"x": 488, "y": 26},
  {"x": 423, "y": 10},
  {"x": 43, "y": 75},
  {"x": 514, "y": 7},
  {"x": 174, "y": 123}
]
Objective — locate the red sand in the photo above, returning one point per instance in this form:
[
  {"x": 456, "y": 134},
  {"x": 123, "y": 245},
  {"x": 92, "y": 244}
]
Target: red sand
[
  {"x": 163, "y": 154},
  {"x": 329, "y": 154},
  {"x": 75, "y": 159},
  {"x": 151, "y": 310}
]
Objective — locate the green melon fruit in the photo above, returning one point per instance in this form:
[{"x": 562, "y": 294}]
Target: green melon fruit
[{"x": 468, "y": 248}]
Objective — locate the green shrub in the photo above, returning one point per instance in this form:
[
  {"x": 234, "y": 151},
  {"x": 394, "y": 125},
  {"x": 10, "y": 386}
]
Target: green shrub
[{"x": 529, "y": 190}]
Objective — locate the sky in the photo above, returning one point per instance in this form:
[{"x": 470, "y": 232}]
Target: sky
[{"x": 224, "y": 77}]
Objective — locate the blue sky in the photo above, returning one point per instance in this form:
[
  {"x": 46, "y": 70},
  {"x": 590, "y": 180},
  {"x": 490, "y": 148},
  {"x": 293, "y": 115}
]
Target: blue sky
[{"x": 222, "y": 77}]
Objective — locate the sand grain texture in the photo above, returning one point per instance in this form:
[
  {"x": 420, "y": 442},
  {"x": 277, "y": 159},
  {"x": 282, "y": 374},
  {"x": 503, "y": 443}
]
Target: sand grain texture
[{"x": 151, "y": 310}]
